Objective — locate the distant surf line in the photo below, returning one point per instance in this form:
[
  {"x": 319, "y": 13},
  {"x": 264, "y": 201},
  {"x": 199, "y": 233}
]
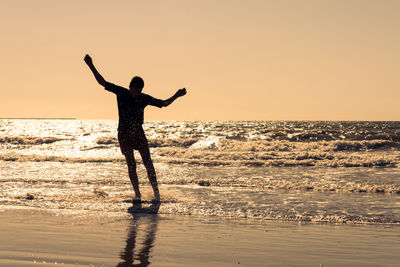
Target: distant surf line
[{"x": 38, "y": 118}]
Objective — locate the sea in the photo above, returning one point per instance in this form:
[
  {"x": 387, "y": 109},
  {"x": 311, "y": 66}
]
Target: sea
[{"x": 305, "y": 171}]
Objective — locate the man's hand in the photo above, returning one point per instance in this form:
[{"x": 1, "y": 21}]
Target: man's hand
[
  {"x": 181, "y": 92},
  {"x": 96, "y": 74},
  {"x": 88, "y": 60}
]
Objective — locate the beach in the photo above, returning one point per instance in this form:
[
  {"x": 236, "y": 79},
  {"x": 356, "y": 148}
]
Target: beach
[
  {"x": 247, "y": 193},
  {"x": 38, "y": 238}
]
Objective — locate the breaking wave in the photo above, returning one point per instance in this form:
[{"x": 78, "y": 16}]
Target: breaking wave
[
  {"x": 49, "y": 158},
  {"x": 219, "y": 151},
  {"x": 155, "y": 142},
  {"x": 104, "y": 140},
  {"x": 15, "y": 140},
  {"x": 365, "y": 145},
  {"x": 233, "y": 144},
  {"x": 218, "y": 158}
]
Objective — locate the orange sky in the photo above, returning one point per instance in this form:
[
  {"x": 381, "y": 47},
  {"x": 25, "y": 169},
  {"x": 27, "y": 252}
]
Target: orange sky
[{"x": 239, "y": 60}]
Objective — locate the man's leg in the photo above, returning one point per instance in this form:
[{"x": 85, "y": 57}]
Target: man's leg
[
  {"x": 151, "y": 172},
  {"x": 130, "y": 161}
]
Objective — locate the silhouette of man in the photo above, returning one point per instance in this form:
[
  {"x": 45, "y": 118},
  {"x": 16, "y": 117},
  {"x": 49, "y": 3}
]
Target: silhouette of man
[{"x": 131, "y": 104}]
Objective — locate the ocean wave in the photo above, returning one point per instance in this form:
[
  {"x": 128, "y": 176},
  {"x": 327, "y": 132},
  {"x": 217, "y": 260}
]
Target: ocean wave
[
  {"x": 184, "y": 156},
  {"x": 105, "y": 140},
  {"x": 211, "y": 142},
  {"x": 15, "y": 140},
  {"x": 246, "y": 160},
  {"x": 163, "y": 142},
  {"x": 265, "y": 145},
  {"x": 219, "y": 151},
  {"x": 332, "y": 135},
  {"x": 43, "y": 158},
  {"x": 153, "y": 142},
  {"x": 233, "y": 144},
  {"x": 364, "y": 145}
]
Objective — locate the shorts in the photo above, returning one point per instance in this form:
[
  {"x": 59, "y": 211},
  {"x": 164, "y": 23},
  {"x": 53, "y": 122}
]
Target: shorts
[{"x": 133, "y": 139}]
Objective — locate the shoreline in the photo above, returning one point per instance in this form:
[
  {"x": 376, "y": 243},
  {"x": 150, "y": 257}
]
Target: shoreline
[{"x": 84, "y": 214}]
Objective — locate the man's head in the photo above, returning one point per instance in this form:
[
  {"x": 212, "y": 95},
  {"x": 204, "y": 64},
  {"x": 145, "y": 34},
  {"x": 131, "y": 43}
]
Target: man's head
[{"x": 136, "y": 85}]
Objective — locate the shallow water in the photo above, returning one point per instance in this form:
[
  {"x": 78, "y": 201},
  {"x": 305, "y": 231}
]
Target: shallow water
[{"x": 301, "y": 171}]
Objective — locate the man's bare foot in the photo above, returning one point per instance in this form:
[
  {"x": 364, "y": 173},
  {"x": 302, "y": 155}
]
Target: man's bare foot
[
  {"x": 136, "y": 200},
  {"x": 156, "y": 201},
  {"x": 157, "y": 198}
]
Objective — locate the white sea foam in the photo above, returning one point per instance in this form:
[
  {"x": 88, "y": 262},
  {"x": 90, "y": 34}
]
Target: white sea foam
[{"x": 211, "y": 142}]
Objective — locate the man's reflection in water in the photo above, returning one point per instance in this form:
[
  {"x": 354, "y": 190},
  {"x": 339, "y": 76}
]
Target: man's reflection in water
[{"x": 145, "y": 221}]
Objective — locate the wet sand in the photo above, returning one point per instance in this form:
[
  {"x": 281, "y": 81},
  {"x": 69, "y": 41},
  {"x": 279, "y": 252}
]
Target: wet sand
[{"x": 37, "y": 238}]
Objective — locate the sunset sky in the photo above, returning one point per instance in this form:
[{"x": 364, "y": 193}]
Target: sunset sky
[{"x": 239, "y": 60}]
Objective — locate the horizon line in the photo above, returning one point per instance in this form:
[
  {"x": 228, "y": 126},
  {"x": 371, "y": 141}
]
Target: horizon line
[{"x": 70, "y": 118}]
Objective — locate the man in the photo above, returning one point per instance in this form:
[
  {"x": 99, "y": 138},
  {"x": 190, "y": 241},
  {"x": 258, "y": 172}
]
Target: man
[{"x": 131, "y": 104}]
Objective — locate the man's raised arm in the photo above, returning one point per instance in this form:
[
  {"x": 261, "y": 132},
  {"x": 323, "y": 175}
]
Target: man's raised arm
[
  {"x": 96, "y": 74},
  {"x": 179, "y": 93}
]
